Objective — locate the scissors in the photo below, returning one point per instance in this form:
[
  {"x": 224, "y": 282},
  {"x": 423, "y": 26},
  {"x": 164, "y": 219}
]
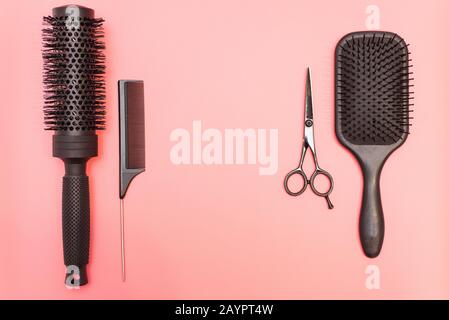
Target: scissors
[{"x": 309, "y": 142}]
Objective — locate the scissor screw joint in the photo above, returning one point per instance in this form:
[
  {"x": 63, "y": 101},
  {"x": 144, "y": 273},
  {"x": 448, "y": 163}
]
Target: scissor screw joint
[{"x": 309, "y": 123}]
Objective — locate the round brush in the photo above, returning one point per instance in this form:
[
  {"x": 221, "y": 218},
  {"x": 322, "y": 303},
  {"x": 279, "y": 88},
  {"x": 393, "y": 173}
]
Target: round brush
[{"x": 74, "y": 94}]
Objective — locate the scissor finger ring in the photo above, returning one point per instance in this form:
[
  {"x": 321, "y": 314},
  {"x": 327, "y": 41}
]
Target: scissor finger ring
[
  {"x": 291, "y": 174},
  {"x": 317, "y": 173}
]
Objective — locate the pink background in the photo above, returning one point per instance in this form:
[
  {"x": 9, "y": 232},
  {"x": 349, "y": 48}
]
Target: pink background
[{"x": 207, "y": 232}]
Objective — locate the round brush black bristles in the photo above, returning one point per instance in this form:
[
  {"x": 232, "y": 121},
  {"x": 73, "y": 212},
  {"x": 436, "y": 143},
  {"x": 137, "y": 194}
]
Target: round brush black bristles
[
  {"x": 74, "y": 94},
  {"x": 74, "y": 69},
  {"x": 373, "y": 88}
]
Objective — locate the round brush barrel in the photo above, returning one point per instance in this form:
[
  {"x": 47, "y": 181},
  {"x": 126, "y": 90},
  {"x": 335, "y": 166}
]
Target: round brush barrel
[{"x": 74, "y": 97}]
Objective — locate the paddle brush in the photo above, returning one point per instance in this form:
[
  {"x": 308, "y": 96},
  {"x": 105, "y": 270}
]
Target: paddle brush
[
  {"x": 74, "y": 94},
  {"x": 372, "y": 104}
]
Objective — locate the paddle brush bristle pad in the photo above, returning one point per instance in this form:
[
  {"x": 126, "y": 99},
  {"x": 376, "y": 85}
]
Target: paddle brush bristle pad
[
  {"x": 73, "y": 74},
  {"x": 372, "y": 88}
]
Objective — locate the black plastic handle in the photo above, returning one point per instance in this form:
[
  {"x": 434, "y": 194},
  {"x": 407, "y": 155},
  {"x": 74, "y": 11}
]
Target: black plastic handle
[
  {"x": 76, "y": 227},
  {"x": 372, "y": 226}
]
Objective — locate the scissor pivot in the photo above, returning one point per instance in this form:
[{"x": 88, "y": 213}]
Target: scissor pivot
[{"x": 309, "y": 123}]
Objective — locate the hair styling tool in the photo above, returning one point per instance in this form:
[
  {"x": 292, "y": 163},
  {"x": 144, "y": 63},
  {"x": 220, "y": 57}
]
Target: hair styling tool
[
  {"x": 372, "y": 100},
  {"x": 309, "y": 142},
  {"x": 132, "y": 144},
  {"x": 74, "y": 94}
]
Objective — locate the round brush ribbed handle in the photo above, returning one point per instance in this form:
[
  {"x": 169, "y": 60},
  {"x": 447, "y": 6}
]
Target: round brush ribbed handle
[
  {"x": 76, "y": 227},
  {"x": 372, "y": 227}
]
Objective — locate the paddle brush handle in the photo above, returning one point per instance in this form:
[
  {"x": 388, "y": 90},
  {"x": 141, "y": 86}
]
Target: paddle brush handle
[
  {"x": 76, "y": 223},
  {"x": 372, "y": 227}
]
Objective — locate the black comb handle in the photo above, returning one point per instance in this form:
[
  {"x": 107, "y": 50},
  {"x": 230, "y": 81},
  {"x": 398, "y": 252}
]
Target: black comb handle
[{"x": 371, "y": 224}]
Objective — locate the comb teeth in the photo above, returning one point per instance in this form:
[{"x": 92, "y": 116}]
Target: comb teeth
[
  {"x": 372, "y": 88},
  {"x": 74, "y": 89}
]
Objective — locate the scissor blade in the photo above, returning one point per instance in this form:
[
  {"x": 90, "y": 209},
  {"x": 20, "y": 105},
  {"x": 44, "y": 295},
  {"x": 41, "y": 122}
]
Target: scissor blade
[{"x": 309, "y": 107}]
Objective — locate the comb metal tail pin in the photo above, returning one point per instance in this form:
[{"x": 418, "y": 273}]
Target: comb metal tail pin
[{"x": 122, "y": 237}]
